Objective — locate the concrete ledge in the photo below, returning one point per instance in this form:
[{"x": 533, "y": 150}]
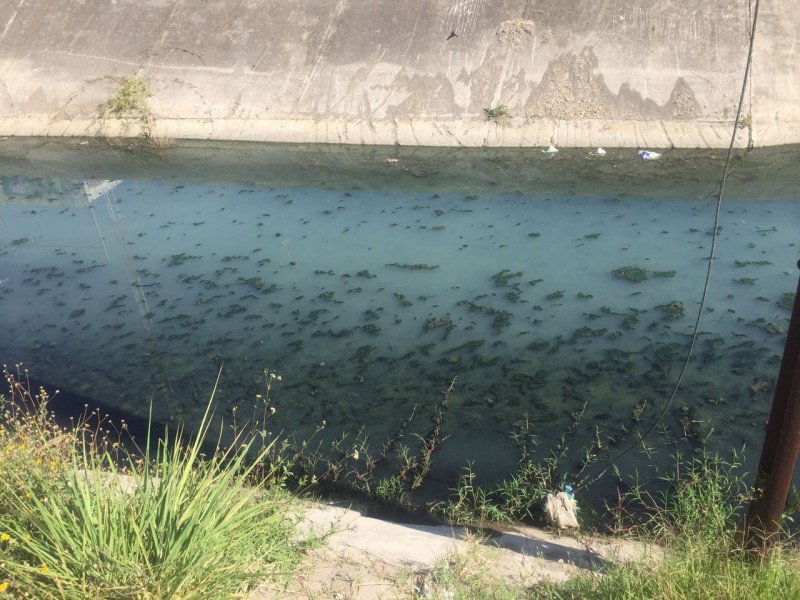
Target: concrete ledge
[{"x": 406, "y": 132}]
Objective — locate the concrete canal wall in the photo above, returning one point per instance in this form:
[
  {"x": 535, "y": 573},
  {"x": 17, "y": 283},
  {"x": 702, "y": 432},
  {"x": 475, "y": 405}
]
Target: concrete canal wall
[{"x": 417, "y": 72}]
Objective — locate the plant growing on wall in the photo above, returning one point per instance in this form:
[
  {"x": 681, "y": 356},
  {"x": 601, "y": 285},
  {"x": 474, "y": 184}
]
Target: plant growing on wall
[
  {"x": 497, "y": 112},
  {"x": 130, "y": 103},
  {"x": 745, "y": 121}
]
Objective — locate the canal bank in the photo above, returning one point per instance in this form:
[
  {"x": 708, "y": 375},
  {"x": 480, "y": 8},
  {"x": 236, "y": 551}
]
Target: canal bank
[{"x": 419, "y": 73}]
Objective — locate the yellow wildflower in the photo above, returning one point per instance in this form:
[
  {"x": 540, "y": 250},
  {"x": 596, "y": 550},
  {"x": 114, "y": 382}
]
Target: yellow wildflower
[
  {"x": 43, "y": 569},
  {"x": 3, "y": 586},
  {"x": 4, "y": 537}
]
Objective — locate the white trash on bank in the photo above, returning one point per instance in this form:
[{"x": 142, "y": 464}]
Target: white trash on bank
[
  {"x": 561, "y": 509},
  {"x": 551, "y": 149},
  {"x": 599, "y": 151},
  {"x": 648, "y": 155}
]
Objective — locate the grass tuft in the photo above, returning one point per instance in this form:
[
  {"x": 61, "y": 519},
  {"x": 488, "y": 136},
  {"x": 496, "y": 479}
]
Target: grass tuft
[
  {"x": 499, "y": 112},
  {"x": 130, "y": 104},
  {"x": 696, "y": 520},
  {"x": 80, "y": 523}
]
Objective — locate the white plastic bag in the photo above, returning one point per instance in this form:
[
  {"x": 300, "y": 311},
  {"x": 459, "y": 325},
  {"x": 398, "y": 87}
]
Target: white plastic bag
[
  {"x": 560, "y": 511},
  {"x": 649, "y": 155}
]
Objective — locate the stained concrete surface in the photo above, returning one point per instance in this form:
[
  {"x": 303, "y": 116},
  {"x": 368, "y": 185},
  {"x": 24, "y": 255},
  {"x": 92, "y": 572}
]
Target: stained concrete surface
[
  {"x": 363, "y": 558},
  {"x": 419, "y": 72}
]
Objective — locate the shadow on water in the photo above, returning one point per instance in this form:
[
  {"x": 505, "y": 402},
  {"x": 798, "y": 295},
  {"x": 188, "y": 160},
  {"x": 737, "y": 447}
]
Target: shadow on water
[{"x": 71, "y": 410}]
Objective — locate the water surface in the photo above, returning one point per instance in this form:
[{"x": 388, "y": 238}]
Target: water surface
[{"x": 560, "y": 292}]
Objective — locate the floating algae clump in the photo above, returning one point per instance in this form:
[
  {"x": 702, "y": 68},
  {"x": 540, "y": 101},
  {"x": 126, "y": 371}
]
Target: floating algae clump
[
  {"x": 438, "y": 322},
  {"x": 502, "y": 278},
  {"x": 787, "y": 300},
  {"x": 673, "y": 310},
  {"x": 634, "y": 274},
  {"x": 414, "y": 267}
]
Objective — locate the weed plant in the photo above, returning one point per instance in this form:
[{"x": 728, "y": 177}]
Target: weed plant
[
  {"x": 348, "y": 467},
  {"x": 497, "y": 112},
  {"x": 395, "y": 474},
  {"x": 518, "y": 497},
  {"x": 78, "y": 522},
  {"x": 130, "y": 104},
  {"x": 465, "y": 576},
  {"x": 696, "y": 520}
]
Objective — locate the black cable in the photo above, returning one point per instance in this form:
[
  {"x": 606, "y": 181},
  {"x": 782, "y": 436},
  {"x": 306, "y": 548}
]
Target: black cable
[{"x": 707, "y": 282}]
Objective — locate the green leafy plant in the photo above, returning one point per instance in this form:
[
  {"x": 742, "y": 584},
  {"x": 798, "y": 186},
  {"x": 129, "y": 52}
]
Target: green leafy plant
[
  {"x": 518, "y": 497},
  {"x": 700, "y": 502},
  {"x": 745, "y": 121},
  {"x": 694, "y": 520},
  {"x": 130, "y": 104},
  {"x": 175, "y": 524},
  {"x": 494, "y": 113}
]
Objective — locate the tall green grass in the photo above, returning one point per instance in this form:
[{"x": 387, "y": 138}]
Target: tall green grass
[
  {"x": 694, "y": 522},
  {"x": 696, "y": 519},
  {"x": 174, "y": 524}
]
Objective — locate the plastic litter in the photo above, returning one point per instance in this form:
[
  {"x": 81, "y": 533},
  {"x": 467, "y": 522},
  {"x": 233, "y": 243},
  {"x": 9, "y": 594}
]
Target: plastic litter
[
  {"x": 551, "y": 149},
  {"x": 561, "y": 509},
  {"x": 598, "y": 151},
  {"x": 648, "y": 155}
]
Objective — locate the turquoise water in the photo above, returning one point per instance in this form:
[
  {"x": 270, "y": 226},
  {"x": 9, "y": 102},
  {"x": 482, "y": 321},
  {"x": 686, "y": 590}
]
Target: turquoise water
[{"x": 370, "y": 302}]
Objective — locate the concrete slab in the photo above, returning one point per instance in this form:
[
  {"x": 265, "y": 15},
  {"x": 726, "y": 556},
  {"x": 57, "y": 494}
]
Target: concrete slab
[{"x": 365, "y": 558}]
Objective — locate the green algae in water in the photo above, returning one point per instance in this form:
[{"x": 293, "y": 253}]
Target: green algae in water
[
  {"x": 673, "y": 310},
  {"x": 787, "y": 300},
  {"x": 413, "y": 267},
  {"x": 403, "y": 300},
  {"x": 631, "y": 273},
  {"x": 329, "y": 296},
  {"x": 319, "y": 371},
  {"x": 371, "y": 329},
  {"x": 745, "y": 263},
  {"x": 438, "y": 322},
  {"x": 638, "y": 274},
  {"x": 179, "y": 259},
  {"x": 502, "y": 278}
]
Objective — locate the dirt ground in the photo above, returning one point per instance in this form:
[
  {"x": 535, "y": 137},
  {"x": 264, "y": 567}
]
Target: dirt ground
[{"x": 363, "y": 558}]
